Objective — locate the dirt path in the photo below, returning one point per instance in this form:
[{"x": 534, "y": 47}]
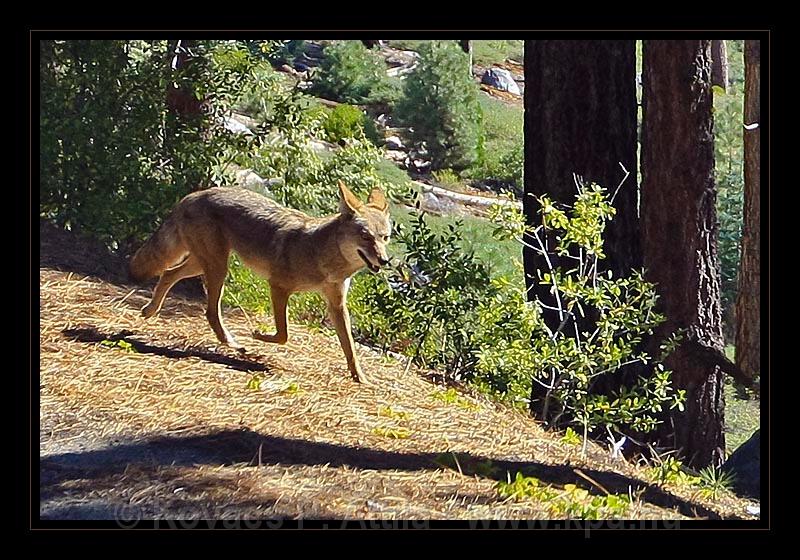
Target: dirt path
[{"x": 152, "y": 419}]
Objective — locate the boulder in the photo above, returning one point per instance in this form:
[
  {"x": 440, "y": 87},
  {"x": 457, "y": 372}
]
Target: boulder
[
  {"x": 394, "y": 143},
  {"x": 745, "y": 465},
  {"x": 435, "y": 204},
  {"x": 501, "y": 79}
]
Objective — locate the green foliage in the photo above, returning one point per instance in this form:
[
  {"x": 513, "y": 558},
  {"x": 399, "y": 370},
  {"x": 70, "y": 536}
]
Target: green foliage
[
  {"x": 392, "y": 432},
  {"x": 671, "y": 470},
  {"x": 351, "y": 73},
  {"x": 503, "y": 158},
  {"x": 425, "y": 307},
  {"x": 715, "y": 481},
  {"x": 345, "y": 121},
  {"x": 571, "y": 437},
  {"x": 114, "y": 157},
  {"x": 491, "y": 52},
  {"x": 441, "y": 105},
  {"x": 451, "y": 396},
  {"x": 124, "y": 345},
  {"x": 302, "y": 178},
  {"x": 603, "y": 322},
  {"x": 448, "y": 179},
  {"x": 572, "y": 502}
]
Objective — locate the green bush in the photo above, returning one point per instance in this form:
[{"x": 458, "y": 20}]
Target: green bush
[
  {"x": 603, "y": 323},
  {"x": 347, "y": 121},
  {"x": 441, "y": 105},
  {"x": 351, "y": 73},
  {"x": 426, "y": 307},
  {"x": 114, "y": 157}
]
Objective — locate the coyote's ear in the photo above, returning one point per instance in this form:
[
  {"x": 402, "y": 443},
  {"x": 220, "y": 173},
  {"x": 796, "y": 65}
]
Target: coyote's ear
[
  {"x": 378, "y": 200},
  {"x": 348, "y": 202}
]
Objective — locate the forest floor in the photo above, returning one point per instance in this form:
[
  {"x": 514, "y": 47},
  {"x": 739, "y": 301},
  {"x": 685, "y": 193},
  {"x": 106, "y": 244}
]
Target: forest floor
[{"x": 143, "y": 419}]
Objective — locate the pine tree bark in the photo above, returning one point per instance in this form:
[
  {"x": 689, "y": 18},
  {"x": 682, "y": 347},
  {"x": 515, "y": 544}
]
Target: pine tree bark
[
  {"x": 748, "y": 307},
  {"x": 580, "y": 117},
  {"x": 719, "y": 64},
  {"x": 679, "y": 236}
]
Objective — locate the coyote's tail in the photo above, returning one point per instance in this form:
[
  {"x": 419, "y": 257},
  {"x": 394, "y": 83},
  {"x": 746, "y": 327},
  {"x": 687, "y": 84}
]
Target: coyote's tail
[{"x": 162, "y": 250}]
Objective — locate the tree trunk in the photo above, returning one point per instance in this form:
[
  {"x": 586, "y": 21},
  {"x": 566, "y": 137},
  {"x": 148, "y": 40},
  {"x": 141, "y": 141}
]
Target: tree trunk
[
  {"x": 466, "y": 46},
  {"x": 181, "y": 100},
  {"x": 748, "y": 311},
  {"x": 719, "y": 64},
  {"x": 679, "y": 236},
  {"x": 580, "y": 117}
]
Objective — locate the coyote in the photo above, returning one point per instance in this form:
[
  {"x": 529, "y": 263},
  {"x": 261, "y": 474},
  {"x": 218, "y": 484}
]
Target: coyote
[{"x": 295, "y": 252}]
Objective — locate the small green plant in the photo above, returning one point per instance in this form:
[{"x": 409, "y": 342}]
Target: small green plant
[
  {"x": 441, "y": 105},
  {"x": 571, "y": 437},
  {"x": 392, "y": 432},
  {"x": 254, "y": 383},
  {"x": 122, "y": 344},
  {"x": 389, "y": 412},
  {"x": 292, "y": 388},
  {"x": 715, "y": 481},
  {"x": 351, "y": 73},
  {"x": 448, "y": 179},
  {"x": 525, "y": 488},
  {"x": 344, "y": 121},
  {"x": 671, "y": 470},
  {"x": 571, "y": 502},
  {"x": 451, "y": 396}
]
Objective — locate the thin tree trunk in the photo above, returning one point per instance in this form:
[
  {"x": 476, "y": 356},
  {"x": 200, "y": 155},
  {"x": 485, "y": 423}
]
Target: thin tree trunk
[
  {"x": 466, "y": 46},
  {"x": 679, "y": 236},
  {"x": 719, "y": 64},
  {"x": 580, "y": 117},
  {"x": 748, "y": 309}
]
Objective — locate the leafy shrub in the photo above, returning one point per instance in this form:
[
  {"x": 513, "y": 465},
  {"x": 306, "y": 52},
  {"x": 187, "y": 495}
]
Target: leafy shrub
[
  {"x": 571, "y": 502},
  {"x": 345, "y": 121},
  {"x": 441, "y": 105},
  {"x": 520, "y": 349},
  {"x": 427, "y": 307},
  {"x": 114, "y": 157},
  {"x": 351, "y": 73}
]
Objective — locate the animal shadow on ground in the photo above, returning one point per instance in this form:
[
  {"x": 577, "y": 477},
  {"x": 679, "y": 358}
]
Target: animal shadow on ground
[
  {"x": 232, "y": 447},
  {"x": 93, "y": 335}
]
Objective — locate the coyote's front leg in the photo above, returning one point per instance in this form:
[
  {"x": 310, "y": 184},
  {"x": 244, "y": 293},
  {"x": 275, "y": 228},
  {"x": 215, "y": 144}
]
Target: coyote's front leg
[{"x": 336, "y": 297}]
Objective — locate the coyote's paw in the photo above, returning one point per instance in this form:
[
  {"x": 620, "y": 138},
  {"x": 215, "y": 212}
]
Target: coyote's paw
[{"x": 149, "y": 310}]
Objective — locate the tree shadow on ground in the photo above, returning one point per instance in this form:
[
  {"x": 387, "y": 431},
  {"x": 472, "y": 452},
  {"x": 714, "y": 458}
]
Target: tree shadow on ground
[
  {"x": 93, "y": 335},
  {"x": 230, "y": 447}
]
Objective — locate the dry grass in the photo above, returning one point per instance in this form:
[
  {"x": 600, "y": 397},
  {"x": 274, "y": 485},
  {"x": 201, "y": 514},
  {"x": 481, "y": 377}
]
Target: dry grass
[{"x": 169, "y": 422}]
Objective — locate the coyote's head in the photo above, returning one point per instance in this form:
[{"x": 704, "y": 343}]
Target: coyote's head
[{"x": 367, "y": 228}]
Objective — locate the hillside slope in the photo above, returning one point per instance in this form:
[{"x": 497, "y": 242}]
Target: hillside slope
[{"x": 152, "y": 418}]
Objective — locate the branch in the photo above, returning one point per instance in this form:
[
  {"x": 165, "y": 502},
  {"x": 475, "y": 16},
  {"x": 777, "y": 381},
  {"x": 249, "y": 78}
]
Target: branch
[{"x": 713, "y": 357}]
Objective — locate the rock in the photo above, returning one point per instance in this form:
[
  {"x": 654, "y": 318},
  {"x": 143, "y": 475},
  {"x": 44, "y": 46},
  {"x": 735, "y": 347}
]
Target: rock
[
  {"x": 396, "y": 155},
  {"x": 437, "y": 205},
  {"x": 394, "y": 143},
  {"x": 248, "y": 178},
  {"x": 420, "y": 164},
  {"x": 501, "y": 79},
  {"x": 745, "y": 465},
  {"x": 235, "y": 126}
]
